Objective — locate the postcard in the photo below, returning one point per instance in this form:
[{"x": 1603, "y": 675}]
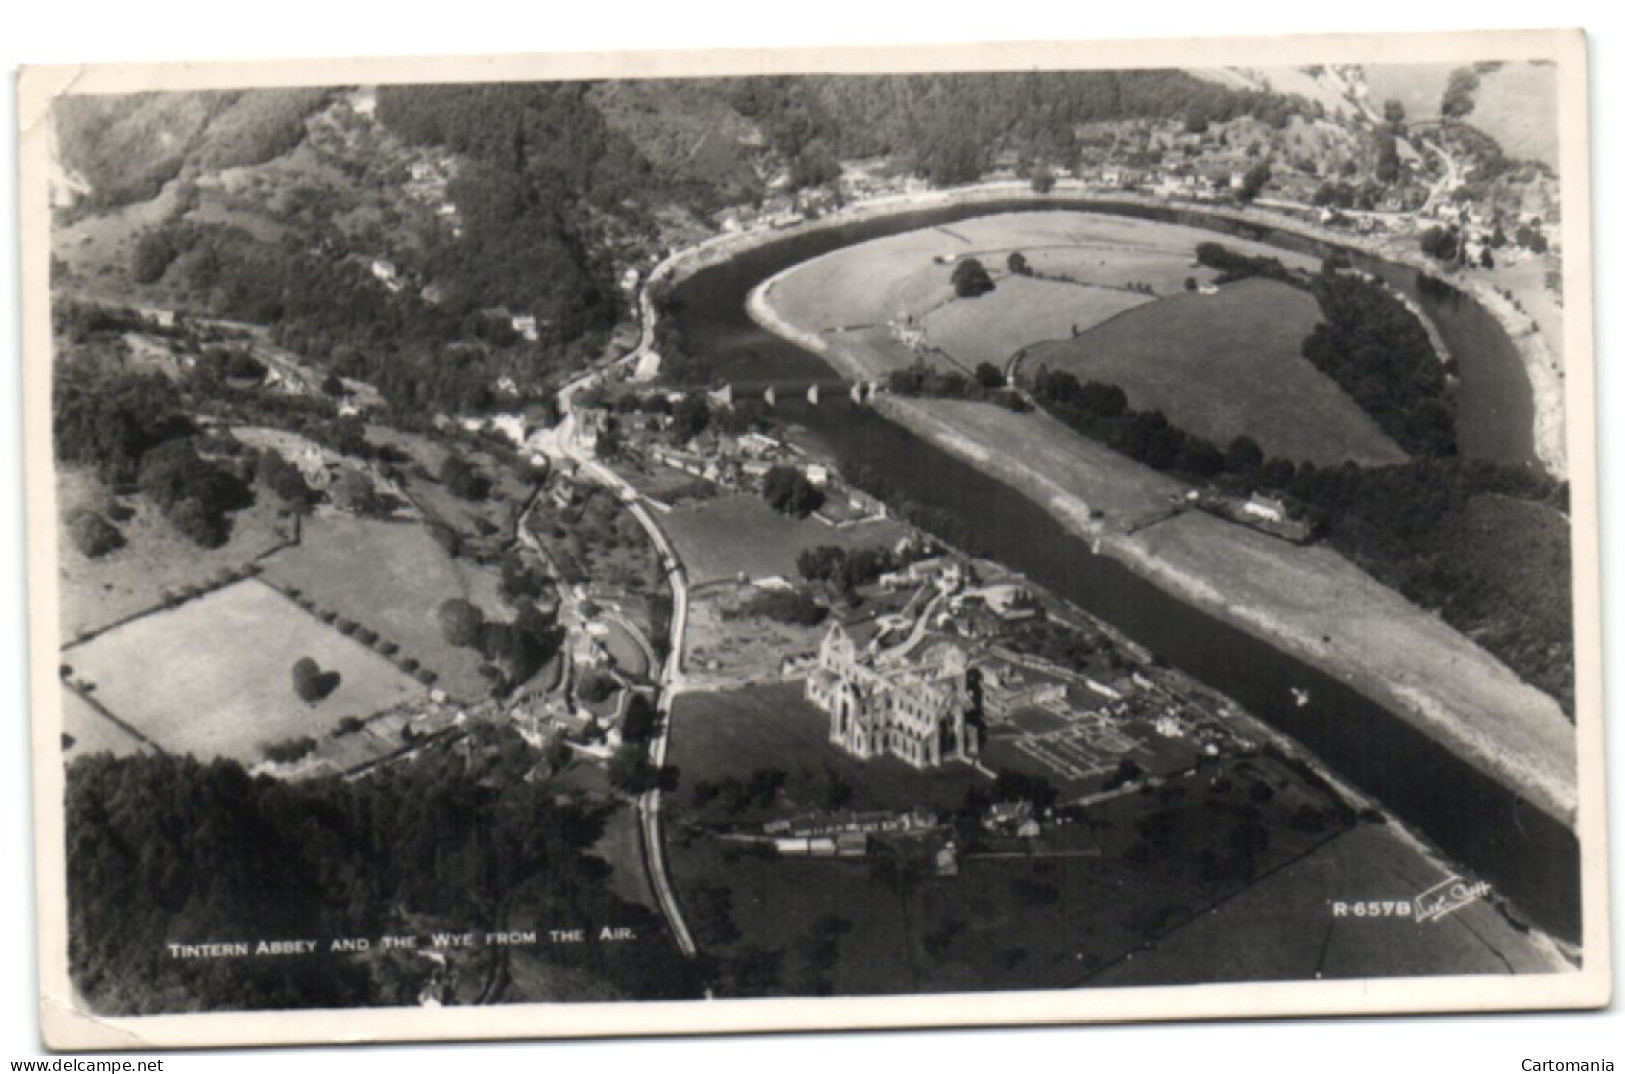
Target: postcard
[{"x": 667, "y": 543}]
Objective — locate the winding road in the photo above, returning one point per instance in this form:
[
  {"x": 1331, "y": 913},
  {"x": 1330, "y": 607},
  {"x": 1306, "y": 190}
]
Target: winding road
[{"x": 563, "y": 445}]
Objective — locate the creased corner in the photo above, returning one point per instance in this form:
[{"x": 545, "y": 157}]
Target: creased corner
[{"x": 64, "y": 1026}]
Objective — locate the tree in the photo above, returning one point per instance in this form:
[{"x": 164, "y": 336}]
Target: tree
[
  {"x": 462, "y": 480},
  {"x": 1244, "y": 456},
  {"x": 310, "y": 682},
  {"x": 1043, "y": 179},
  {"x": 1441, "y": 243},
  {"x": 788, "y": 492},
  {"x": 596, "y": 687},
  {"x": 639, "y": 723},
  {"x": 1253, "y": 182},
  {"x": 821, "y": 563},
  {"x": 1017, "y": 263},
  {"x": 988, "y": 375},
  {"x": 332, "y": 386},
  {"x": 1393, "y": 113},
  {"x": 461, "y": 623},
  {"x": 690, "y": 417},
  {"x": 93, "y": 535},
  {"x": 630, "y": 770},
  {"x": 1190, "y": 283},
  {"x": 1387, "y": 169},
  {"x": 354, "y": 491},
  {"x": 970, "y": 279},
  {"x": 1457, "y": 102}
]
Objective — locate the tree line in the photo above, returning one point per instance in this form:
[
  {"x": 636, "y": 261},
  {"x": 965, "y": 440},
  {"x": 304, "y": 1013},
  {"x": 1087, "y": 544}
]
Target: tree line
[{"x": 165, "y": 850}]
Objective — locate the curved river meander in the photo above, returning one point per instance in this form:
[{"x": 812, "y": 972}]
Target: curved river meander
[{"x": 1529, "y": 857}]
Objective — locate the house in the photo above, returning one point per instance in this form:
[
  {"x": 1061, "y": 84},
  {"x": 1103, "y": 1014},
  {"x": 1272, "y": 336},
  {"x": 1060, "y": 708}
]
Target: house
[
  {"x": 1267, "y": 508},
  {"x": 817, "y": 474},
  {"x": 525, "y": 325},
  {"x": 386, "y": 272}
]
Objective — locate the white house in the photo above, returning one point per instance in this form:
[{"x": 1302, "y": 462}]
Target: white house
[{"x": 1264, "y": 507}]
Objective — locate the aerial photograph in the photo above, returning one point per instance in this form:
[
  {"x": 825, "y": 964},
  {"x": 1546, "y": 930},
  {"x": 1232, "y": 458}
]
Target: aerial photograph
[{"x": 811, "y": 535}]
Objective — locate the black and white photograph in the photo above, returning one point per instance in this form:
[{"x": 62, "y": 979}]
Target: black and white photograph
[{"x": 812, "y": 539}]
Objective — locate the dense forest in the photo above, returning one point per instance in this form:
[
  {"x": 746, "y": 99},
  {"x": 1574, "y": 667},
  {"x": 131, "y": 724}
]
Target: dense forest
[
  {"x": 168, "y": 850},
  {"x": 951, "y": 127}
]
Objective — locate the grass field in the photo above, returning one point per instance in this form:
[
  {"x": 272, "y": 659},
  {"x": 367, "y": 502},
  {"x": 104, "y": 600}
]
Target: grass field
[
  {"x": 853, "y": 292},
  {"x": 1019, "y": 312},
  {"x": 1516, "y": 104},
  {"x": 621, "y": 846},
  {"x": 390, "y": 577},
  {"x": 213, "y": 677},
  {"x": 1261, "y": 934},
  {"x": 155, "y": 557},
  {"x": 714, "y": 735},
  {"x": 1003, "y": 922},
  {"x": 1227, "y": 365},
  {"x": 624, "y": 649},
  {"x": 92, "y": 732},
  {"x": 718, "y": 538}
]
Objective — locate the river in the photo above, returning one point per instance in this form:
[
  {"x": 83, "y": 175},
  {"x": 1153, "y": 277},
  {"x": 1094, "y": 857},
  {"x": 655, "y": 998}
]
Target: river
[{"x": 1530, "y": 858}]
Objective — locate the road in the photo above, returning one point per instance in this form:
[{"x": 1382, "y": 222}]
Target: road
[{"x": 670, "y": 681}]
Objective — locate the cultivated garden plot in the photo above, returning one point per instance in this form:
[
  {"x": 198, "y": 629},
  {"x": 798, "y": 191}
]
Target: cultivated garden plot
[{"x": 213, "y": 677}]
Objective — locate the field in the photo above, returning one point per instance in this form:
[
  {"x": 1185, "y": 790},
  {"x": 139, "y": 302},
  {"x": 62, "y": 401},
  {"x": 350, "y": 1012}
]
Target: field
[
  {"x": 621, "y": 846},
  {"x": 1010, "y": 919},
  {"x": 1515, "y": 104},
  {"x": 738, "y": 533},
  {"x": 155, "y": 557},
  {"x": 1522, "y": 605},
  {"x": 212, "y": 677},
  {"x": 1260, "y": 934},
  {"x": 857, "y": 291},
  {"x": 1019, "y": 312},
  {"x": 91, "y": 732},
  {"x": 390, "y": 577},
  {"x": 1226, "y": 365},
  {"x": 720, "y": 647},
  {"x": 1048, "y": 463},
  {"x": 715, "y": 735},
  {"x": 468, "y": 517}
]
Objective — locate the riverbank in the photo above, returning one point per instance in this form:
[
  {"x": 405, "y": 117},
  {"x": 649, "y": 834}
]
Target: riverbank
[
  {"x": 1308, "y": 602},
  {"x": 1542, "y": 370}
]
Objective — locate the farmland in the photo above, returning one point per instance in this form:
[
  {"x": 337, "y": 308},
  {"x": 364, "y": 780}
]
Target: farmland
[
  {"x": 155, "y": 559},
  {"x": 855, "y": 293},
  {"x": 738, "y": 533},
  {"x": 212, "y": 677},
  {"x": 1137, "y": 869},
  {"x": 86, "y": 731},
  {"x": 1227, "y": 365},
  {"x": 390, "y": 577},
  {"x": 1259, "y": 935},
  {"x": 1019, "y": 312}
]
